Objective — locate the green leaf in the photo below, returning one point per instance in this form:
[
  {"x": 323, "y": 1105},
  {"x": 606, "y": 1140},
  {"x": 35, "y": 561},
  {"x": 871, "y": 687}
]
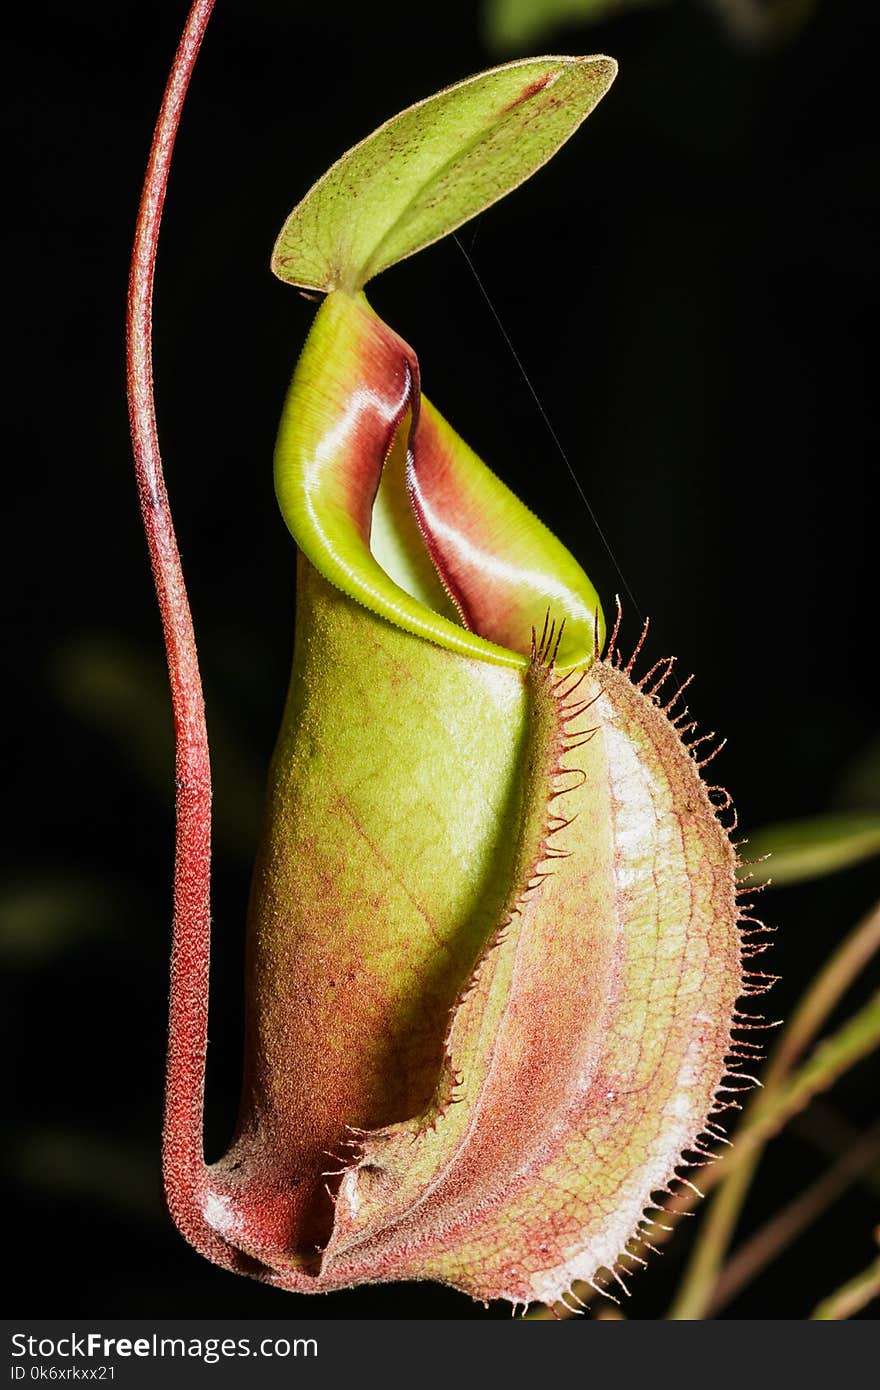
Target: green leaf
[
  {"x": 811, "y": 848},
  {"x": 434, "y": 166}
]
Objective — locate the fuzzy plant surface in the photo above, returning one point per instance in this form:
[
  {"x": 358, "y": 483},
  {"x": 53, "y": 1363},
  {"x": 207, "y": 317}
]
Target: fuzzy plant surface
[{"x": 494, "y": 952}]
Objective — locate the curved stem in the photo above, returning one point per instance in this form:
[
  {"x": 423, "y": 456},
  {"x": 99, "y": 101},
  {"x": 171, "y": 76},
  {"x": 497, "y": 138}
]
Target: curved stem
[{"x": 182, "y": 1152}]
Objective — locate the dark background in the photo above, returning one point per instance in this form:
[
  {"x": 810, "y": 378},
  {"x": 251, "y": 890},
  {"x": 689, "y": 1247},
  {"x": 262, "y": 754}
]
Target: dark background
[{"x": 688, "y": 286}]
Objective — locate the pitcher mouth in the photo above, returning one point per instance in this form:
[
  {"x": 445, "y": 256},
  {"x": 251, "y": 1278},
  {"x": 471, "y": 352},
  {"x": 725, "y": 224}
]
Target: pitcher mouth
[{"x": 394, "y": 509}]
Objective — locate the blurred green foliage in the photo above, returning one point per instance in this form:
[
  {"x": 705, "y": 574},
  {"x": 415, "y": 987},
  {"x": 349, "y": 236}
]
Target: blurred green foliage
[
  {"x": 119, "y": 689},
  {"x": 47, "y": 917},
  {"x": 804, "y": 849},
  {"x": 110, "y": 1171},
  {"x": 514, "y": 24}
]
